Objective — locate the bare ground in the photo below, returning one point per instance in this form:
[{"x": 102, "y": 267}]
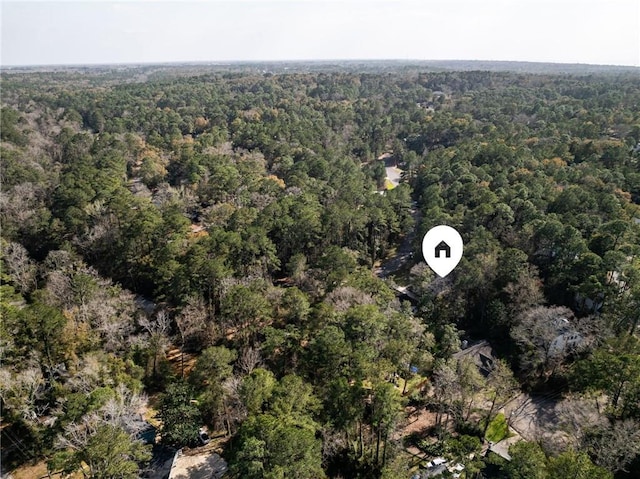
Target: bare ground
[
  {"x": 174, "y": 356},
  {"x": 418, "y": 421}
]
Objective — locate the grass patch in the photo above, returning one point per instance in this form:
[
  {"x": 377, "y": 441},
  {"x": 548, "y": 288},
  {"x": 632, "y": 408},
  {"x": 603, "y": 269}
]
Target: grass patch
[{"x": 498, "y": 429}]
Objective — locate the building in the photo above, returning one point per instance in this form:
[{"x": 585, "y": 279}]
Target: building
[
  {"x": 482, "y": 355},
  {"x": 567, "y": 337}
]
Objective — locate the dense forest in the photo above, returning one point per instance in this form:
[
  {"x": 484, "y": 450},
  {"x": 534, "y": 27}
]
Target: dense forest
[{"x": 223, "y": 249}]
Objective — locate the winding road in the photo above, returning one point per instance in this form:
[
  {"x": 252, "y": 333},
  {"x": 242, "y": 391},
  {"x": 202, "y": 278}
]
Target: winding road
[{"x": 405, "y": 251}]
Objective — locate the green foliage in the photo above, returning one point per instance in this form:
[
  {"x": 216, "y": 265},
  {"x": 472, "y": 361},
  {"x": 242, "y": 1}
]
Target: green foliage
[
  {"x": 179, "y": 415},
  {"x": 528, "y": 461},
  {"x": 461, "y": 447},
  {"x": 281, "y": 441},
  {"x": 9, "y": 128},
  {"x": 277, "y": 447},
  {"x": 244, "y": 308},
  {"x": 18, "y": 168},
  {"x": 575, "y": 464},
  {"x": 615, "y": 369},
  {"x": 110, "y": 452},
  {"x": 41, "y": 327},
  {"x": 255, "y": 194},
  {"x": 212, "y": 368},
  {"x": 256, "y": 389}
]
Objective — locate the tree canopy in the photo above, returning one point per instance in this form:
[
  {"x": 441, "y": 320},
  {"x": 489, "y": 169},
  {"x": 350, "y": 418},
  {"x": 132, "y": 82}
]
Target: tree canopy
[{"x": 225, "y": 240}]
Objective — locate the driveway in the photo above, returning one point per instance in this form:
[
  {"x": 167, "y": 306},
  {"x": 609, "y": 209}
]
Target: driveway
[
  {"x": 552, "y": 417},
  {"x": 394, "y": 175}
]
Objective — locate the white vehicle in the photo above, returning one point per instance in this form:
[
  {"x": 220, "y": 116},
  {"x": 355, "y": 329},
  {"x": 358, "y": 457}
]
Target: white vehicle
[{"x": 438, "y": 461}]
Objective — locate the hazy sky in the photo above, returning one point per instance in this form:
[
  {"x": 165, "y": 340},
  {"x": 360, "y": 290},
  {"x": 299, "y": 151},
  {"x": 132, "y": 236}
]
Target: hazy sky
[{"x": 573, "y": 31}]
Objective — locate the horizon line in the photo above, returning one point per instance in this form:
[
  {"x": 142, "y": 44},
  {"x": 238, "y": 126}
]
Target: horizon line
[{"x": 317, "y": 60}]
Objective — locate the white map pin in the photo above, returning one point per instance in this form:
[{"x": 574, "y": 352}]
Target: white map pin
[{"x": 442, "y": 249}]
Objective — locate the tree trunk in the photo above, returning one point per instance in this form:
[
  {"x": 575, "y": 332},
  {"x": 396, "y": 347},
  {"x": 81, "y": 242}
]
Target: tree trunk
[
  {"x": 446, "y": 422},
  {"x": 486, "y": 426},
  {"x": 634, "y": 324},
  {"x": 155, "y": 356},
  {"x": 384, "y": 449},
  {"x": 371, "y": 441},
  {"x": 227, "y": 422},
  {"x": 616, "y": 396},
  {"x": 468, "y": 413}
]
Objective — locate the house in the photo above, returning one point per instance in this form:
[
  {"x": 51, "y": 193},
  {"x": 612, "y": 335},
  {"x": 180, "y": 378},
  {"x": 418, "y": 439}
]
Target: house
[
  {"x": 482, "y": 355},
  {"x": 567, "y": 337},
  {"x": 502, "y": 448},
  {"x": 443, "y": 248}
]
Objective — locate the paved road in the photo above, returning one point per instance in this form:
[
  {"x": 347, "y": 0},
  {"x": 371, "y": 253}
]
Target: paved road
[{"x": 405, "y": 251}]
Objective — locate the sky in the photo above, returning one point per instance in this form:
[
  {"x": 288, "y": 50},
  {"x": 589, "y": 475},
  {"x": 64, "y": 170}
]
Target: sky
[{"x": 144, "y": 31}]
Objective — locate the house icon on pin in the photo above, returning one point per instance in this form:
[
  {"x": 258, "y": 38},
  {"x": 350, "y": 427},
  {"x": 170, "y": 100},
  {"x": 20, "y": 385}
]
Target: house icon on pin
[{"x": 442, "y": 246}]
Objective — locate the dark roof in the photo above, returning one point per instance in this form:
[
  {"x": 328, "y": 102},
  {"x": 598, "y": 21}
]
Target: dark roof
[{"x": 482, "y": 354}]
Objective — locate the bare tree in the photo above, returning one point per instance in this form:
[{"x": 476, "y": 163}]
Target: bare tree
[
  {"x": 616, "y": 445},
  {"x": 344, "y": 297},
  {"x": 577, "y": 416},
  {"x": 501, "y": 386},
  {"x": 191, "y": 321},
  {"x": 125, "y": 410},
  {"x": 22, "y": 392},
  {"x": 59, "y": 288},
  {"x": 470, "y": 383},
  {"x": 58, "y": 260},
  {"x": 158, "y": 336},
  {"x": 525, "y": 292},
  {"x": 195, "y": 323},
  {"x": 76, "y": 436},
  {"x": 84, "y": 438},
  {"x": 333, "y": 442},
  {"x": 71, "y": 283},
  {"x": 547, "y": 336},
  {"x": 21, "y": 268},
  {"x": 113, "y": 317},
  {"x": 249, "y": 360},
  {"x": 93, "y": 302},
  {"x": 235, "y": 410},
  {"x": 20, "y": 204},
  {"x": 445, "y": 390},
  {"x": 90, "y": 371}
]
